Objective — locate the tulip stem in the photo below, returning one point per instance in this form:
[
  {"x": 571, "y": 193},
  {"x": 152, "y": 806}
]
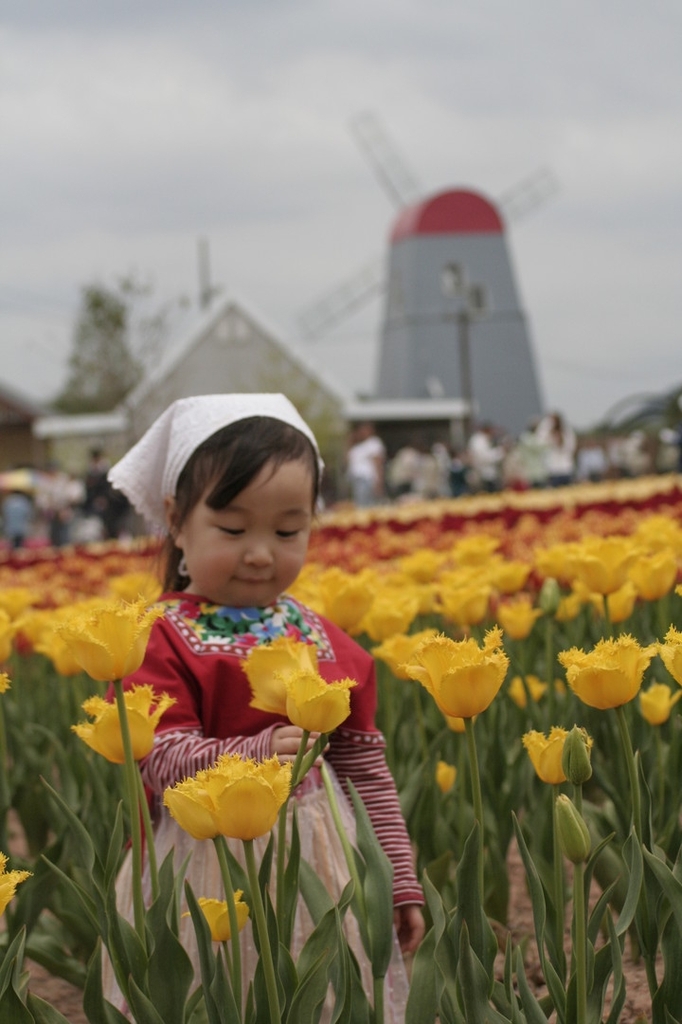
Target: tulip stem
[
  {"x": 263, "y": 937},
  {"x": 476, "y": 796},
  {"x": 134, "y": 812},
  {"x": 149, "y": 833},
  {"x": 235, "y": 965},
  {"x": 580, "y": 933},
  {"x": 282, "y": 829},
  {"x": 559, "y": 898}
]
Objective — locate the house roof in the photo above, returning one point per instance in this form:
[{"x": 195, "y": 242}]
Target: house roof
[{"x": 16, "y": 408}]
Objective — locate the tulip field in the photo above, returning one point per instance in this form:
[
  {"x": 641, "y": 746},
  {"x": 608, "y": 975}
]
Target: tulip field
[{"x": 528, "y": 649}]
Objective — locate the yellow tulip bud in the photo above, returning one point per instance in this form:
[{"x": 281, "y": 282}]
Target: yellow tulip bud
[
  {"x": 445, "y": 776},
  {"x": 518, "y": 617},
  {"x": 574, "y": 837},
  {"x": 5, "y": 684}
]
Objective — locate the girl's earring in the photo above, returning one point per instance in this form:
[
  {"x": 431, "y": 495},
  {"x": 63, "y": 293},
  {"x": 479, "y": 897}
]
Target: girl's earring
[{"x": 182, "y": 566}]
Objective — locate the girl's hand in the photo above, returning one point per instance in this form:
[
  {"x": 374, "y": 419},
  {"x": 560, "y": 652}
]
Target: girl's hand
[
  {"x": 409, "y": 924},
  {"x": 286, "y": 740}
]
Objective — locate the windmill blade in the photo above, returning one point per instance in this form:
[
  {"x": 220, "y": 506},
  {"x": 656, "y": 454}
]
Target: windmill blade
[
  {"x": 393, "y": 175},
  {"x": 524, "y": 197},
  {"x": 338, "y": 303}
]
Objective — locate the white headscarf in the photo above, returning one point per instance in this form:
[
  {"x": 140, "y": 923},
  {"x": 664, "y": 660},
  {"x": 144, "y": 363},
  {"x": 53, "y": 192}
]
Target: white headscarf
[{"x": 149, "y": 472}]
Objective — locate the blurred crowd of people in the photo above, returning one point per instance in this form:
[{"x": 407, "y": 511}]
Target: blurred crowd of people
[
  {"x": 51, "y": 506},
  {"x": 548, "y": 453}
]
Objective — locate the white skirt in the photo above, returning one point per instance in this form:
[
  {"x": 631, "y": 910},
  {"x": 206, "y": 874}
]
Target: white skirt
[{"x": 320, "y": 847}]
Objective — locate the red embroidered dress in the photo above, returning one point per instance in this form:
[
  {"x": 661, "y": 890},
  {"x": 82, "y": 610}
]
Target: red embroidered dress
[{"x": 195, "y": 653}]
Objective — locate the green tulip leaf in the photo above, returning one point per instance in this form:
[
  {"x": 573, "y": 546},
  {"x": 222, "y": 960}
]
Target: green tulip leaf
[
  {"x": 97, "y": 1009},
  {"x": 534, "y": 1013},
  {"x": 377, "y": 887},
  {"x": 43, "y": 1012}
]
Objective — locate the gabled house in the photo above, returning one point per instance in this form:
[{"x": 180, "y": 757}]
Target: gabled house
[
  {"x": 18, "y": 445},
  {"x": 223, "y": 349}
]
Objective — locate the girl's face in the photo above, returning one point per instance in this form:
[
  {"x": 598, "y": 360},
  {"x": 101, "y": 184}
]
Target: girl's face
[{"x": 248, "y": 553}]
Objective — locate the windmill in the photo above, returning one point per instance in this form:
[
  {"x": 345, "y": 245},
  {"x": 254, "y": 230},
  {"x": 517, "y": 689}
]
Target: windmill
[{"x": 453, "y": 326}]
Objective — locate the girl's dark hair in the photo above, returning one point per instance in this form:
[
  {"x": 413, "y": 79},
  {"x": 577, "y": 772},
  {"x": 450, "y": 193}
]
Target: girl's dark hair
[{"x": 229, "y": 460}]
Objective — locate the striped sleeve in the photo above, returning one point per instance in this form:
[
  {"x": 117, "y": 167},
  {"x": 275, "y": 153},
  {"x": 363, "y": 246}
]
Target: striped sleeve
[
  {"x": 359, "y": 756},
  {"x": 180, "y": 753}
]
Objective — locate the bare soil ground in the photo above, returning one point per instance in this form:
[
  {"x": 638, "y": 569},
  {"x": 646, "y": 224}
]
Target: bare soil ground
[{"x": 637, "y": 1009}]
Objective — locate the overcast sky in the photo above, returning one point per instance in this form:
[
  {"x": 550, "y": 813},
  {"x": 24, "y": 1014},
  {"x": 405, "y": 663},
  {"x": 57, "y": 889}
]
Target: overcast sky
[{"x": 129, "y": 129}]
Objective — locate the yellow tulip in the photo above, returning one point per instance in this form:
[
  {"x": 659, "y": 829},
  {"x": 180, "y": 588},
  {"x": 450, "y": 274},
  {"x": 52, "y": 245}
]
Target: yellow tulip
[
  {"x": 267, "y": 666},
  {"x": 391, "y": 612},
  {"x": 455, "y": 723},
  {"x": 422, "y": 565},
  {"x": 33, "y": 624},
  {"x": 110, "y": 640},
  {"x": 144, "y": 709},
  {"x": 671, "y": 653},
  {"x": 518, "y": 617},
  {"x": 9, "y": 880},
  {"x": 509, "y": 577},
  {"x": 621, "y": 603},
  {"x": 475, "y": 550},
  {"x": 7, "y": 631},
  {"x": 545, "y": 753},
  {"x": 5, "y": 684},
  {"x": 54, "y": 647},
  {"x": 602, "y": 563},
  {"x": 190, "y": 804},
  {"x": 517, "y": 691},
  {"x": 654, "y": 575},
  {"x": 133, "y": 585},
  {"x": 218, "y": 917},
  {"x": 659, "y": 531},
  {"x": 237, "y": 797},
  {"x": 398, "y": 649},
  {"x": 314, "y": 704},
  {"x": 445, "y": 776},
  {"x": 611, "y": 674},
  {"x": 15, "y": 600},
  {"x": 346, "y": 598},
  {"x": 465, "y": 606},
  {"x": 462, "y": 678},
  {"x": 557, "y": 560},
  {"x": 657, "y": 702},
  {"x": 569, "y": 607}
]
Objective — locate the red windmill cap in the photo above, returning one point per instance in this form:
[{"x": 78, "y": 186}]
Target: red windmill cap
[{"x": 457, "y": 212}]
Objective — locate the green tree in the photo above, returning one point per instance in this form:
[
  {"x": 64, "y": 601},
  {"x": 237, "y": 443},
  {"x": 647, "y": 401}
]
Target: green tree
[{"x": 102, "y": 367}]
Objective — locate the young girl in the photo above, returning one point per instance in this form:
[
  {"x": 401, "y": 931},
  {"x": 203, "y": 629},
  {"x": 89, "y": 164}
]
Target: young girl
[{"x": 234, "y": 480}]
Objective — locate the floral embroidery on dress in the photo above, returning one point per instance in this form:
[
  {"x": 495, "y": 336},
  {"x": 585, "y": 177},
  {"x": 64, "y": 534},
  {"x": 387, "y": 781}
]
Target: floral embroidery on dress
[{"x": 218, "y": 629}]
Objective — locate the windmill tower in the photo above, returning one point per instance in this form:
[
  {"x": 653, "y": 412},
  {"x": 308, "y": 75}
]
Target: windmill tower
[
  {"x": 453, "y": 332},
  {"x": 453, "y": 324}
]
